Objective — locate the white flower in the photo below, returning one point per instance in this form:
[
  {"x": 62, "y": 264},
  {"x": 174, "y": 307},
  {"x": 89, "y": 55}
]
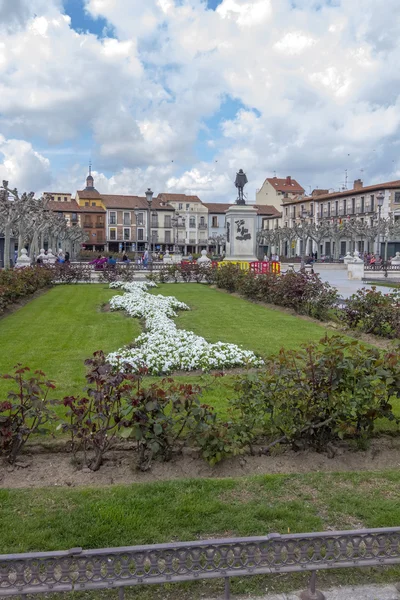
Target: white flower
[{"x": 163, "y": 348}]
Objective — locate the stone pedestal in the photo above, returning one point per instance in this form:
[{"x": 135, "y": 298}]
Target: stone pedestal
[
  {"x": 241, "y": 230},
  {"x": 355, "y": 270}
]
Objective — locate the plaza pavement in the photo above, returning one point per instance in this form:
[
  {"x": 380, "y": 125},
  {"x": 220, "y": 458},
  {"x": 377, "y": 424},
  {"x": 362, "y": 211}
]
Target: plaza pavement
[{"x": 362, "y": 592}]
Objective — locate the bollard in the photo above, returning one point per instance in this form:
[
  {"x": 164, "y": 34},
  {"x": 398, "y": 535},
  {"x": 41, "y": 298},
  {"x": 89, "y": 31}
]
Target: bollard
[{"x": 312, "y": 593}]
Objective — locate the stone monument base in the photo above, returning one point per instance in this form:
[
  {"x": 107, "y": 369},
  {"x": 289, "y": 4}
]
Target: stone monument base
[{"x": 241, "y": 224}]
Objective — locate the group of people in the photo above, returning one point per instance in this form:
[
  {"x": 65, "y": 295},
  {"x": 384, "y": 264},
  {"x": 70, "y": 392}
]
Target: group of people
[
  {"x": 274, "y": 258},
  {"x": 61, "y": 258},
  {"x": 372, "y": 259}
]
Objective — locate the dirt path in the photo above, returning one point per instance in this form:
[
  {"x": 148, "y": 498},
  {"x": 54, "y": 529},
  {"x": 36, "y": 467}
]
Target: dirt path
[{"x": 56, "y": 468}]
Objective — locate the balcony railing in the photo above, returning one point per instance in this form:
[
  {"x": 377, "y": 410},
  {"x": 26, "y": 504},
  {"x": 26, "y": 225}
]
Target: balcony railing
[
  {"x": 192, "y": 240},
  {"x": 99, "y": 225},
  {"x": 203, "y": 226},
  {"x": 87, "y": 225}
]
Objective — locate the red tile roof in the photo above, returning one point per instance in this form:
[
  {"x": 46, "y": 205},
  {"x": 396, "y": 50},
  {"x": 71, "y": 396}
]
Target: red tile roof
[
  {"x": 217, "y": 207},
  {"x": 178, "y": 198},
  {"x": 369, "y": 188},
  {"x": 70, "y": 206},
  {"x": 288, "y": 185},
  {"x": 119, "y": 201},
  {"x": 267, "y": 210},
  {"x": 88, "y": 194}
]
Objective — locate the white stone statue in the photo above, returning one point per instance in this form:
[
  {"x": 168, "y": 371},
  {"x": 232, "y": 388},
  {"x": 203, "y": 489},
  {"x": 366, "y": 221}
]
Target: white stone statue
[
  {"x": 42, "y": 256},
  {"x": 51, "y": 259},
  {"x": 204, "y": 261},
  {"x": 23, "y": 259},
  {"x": 357, "y": 258},
  {"x": 167, "y": 260},
  {"x": 396, "y": 259},
  {"x": 348, "y": 259}
]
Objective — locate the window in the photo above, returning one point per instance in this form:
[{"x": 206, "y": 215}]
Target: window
[
  {"x": 140, "y": 235},
  {"x": 127, "y": 218},
  {"x": 192, "y": 223},
  {"x": 86, "y": 203},
  {"x": 215, "y": 221},
  {"x": 127, "y": 233},
  {"x": 154, "y": 236},
  {"x": 397, "y": 197},
  {"x": 321, "y": 210},
  {"x": 154, "y": 220},
  {"x": 74, "y": 217},
  {"x": 187, "y": 206},
  {"x": 202, "y": 221},
  {"x": 113, "y": 218},
  {"x": 167, "y": 221},
  {"x": 65, "y": 199},
  {"x": 167, "y": 237},
  {"x": 180, "y": 206},
  {"x": 93, "y": 203},
  {"x": 336, "y": 207},
  {"x": 353, "y": 206},
  {"x": 286, "y": 212},
  {"x": 329, "y": 209},
  {"x": 345, "y": 206},
  {"x": 113, "y": 234},
  {"x": 311, "y": 210},
  {"x": 362, "y": 204},
  {"x": 59, "y": 198},
  {"x": 373, "y": 202}
]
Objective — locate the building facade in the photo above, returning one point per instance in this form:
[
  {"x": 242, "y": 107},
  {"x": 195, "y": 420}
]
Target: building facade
[
  {"x": 357, "y": 205},
  {"x": 190, "y": 220},
  {"x": 274, "y": 190},
  {"x": 93, "y": 216}
]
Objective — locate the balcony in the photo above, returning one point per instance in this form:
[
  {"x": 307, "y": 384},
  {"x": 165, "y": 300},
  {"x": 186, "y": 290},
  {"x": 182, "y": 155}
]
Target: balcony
[
  {"x": 99, "y": 225},
  {"x": 202, "y": 226},
  {"x": 87, "y": 225},
  {"x": 192, "y": 240}
]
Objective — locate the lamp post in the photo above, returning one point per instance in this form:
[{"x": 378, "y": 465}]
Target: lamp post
[
  {"x": 149, "y": 198},
  {"x": 303, "y": 215},
  {"x": 175, "y": 223},
  {"x": 380, "y": 198}
]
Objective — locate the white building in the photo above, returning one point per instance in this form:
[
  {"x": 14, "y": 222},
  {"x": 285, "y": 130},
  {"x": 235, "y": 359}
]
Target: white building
[{"x": 191, "y": 221}]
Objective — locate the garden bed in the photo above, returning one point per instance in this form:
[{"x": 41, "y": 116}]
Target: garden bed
[{"x": 40, "y": 466}]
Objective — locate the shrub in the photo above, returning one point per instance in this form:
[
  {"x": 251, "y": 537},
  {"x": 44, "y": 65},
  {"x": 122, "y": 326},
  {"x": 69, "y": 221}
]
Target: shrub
[
  {"x": 94, "y": 420},
  {"x": 304, "y": 293},
  {"x": 371, "y": 311},
  {"x": 19, "y": 283},
  {"x": 25, "y": 412},
  {"x": 69, "y": 273},
  {"x": 319, "y": 394}
]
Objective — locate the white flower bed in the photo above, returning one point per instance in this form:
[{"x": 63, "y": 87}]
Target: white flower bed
[{"x": 164, "y": 348}]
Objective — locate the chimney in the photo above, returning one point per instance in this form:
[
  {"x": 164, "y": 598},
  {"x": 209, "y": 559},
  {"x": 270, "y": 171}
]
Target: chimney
[
  {"x": 288, "y": 180},
  {"x": 358, "y": 184}
]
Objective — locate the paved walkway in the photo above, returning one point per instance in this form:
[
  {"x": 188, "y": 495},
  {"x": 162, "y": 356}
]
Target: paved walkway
[{"x": 363, "y": 592}]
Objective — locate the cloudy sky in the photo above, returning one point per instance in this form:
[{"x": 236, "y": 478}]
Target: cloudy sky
[{"x": 178, "y": 94}]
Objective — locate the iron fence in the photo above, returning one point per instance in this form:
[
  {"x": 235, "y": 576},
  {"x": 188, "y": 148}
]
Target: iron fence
[{"x": 119, "y": 568}]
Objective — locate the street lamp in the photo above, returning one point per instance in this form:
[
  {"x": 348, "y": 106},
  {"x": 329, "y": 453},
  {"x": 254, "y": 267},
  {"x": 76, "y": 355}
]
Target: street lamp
[
  {"x": 303, "y": 215},
  {"x": 380, "y": 198},
  {"x": 149, "y": 198},
  {"x": 175, "y": 225}
]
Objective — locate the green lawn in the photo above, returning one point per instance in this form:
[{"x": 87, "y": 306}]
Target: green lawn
[
  {"x": 50, "y": 519},
  {"x": 59, "y": 330},
  {"x": 218, "y": 316}
]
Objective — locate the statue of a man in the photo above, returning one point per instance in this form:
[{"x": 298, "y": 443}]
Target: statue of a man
[{"x": 240, "y": 182}]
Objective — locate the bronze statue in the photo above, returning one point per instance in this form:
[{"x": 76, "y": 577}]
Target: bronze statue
[{"x": 240, "y": 182}]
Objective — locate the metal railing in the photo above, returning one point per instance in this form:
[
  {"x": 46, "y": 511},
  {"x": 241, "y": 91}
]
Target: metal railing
[{"x": 108, "y": 568}]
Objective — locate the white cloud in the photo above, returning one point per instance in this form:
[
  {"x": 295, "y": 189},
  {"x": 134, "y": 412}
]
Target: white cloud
[
  {"x": 319, "y": 84},
  {"x": 22, "y": 166}
]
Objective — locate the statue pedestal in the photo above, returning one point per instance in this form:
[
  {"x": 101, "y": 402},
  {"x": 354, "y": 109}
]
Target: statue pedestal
[{"x": 241, "y": 233}]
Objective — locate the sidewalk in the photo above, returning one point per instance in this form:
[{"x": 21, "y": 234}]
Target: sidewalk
[{"x": 363, "y": 592}]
